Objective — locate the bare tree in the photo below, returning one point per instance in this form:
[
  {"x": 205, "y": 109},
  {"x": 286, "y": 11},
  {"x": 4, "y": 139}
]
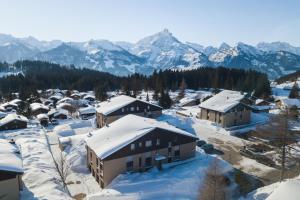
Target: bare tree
[
  {"x": 63, "y": 168},
  {"x": 277, "y": 132},
  {"x": 215, "y": 184}
]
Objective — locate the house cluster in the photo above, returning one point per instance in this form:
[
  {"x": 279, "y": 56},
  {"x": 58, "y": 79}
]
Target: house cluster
[{"x": 130, "y": 139}]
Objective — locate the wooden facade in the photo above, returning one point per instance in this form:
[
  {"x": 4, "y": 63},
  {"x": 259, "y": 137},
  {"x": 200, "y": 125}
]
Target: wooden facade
[
  {"x": 141, "y": 154},
  {"x": 137, "y": 107},
  {"x": 236, "y": 116},
  {"x": 14, "y": 124}
]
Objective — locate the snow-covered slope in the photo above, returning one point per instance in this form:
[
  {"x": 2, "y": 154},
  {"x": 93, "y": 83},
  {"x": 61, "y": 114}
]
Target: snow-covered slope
[
  {"x": 158, "y": 51},
  {"x": 278, "y": 46},
  {"x": 163, "y": 51}
]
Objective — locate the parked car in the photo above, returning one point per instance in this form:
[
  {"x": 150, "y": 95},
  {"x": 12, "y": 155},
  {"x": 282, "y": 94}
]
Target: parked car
[
  {"x": 208, "y": 148},
  {"x": 200, "y": 143}
]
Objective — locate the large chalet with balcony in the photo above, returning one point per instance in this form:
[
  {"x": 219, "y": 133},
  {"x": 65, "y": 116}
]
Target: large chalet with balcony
[
  {"x": 227, "y": 108},
  {"x": 135, "y": 143},
  {"x": 119, "y": 106}
]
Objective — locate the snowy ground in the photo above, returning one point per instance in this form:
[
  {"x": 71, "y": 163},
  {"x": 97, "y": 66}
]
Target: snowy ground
[
  {"x": 41, "y": 180},
  {"x": 225, "y": 141},
  {"x": 177, "y": 181}
]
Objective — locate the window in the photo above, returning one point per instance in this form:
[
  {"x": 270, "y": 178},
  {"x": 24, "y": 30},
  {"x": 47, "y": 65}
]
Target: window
[
  {"x": 148, "y": 107},
  {"x": 129, "y": 165},
  {"x": 148, "y": 162},
  {"x": 97, "y": 162},
  {"x": 132, "y": 147},
  {"x": 91, "y": 155},
  {"x": 177, "y": 154},
  {"x": 241, "y": 116},
  {"x": 137, "y": 108},
  {"x": 148, "y": 143},
  {"x": 132, "y": 109},
  {"x": 157, "y": 141},
  {"x": 140, "y": 144},
  {"x": 169, "y": 144},
  {"x": 122, "y": 109}
]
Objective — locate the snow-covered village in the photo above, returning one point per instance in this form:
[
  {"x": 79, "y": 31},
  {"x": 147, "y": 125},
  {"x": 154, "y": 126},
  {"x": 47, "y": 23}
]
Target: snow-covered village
[{"x": 149, "y": 100}]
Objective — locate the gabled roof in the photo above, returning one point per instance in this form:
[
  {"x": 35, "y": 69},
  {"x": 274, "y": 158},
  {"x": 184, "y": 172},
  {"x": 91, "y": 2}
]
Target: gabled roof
[
  {"x": 10, "y": 160},
  {"x": 12, "y": 116},
  {"x": 87, "y": 110},
  {"x": 36, "y": 106},
  {"x": 115, "y": 103},
  {"x": 223, "y": 101},
  {"x": 118, "y": 134}
]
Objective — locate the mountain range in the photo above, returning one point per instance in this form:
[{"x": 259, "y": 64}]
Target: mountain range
[{"x": 159, "y": 51}]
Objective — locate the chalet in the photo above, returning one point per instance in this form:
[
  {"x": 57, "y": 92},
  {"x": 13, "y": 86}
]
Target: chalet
[
  {"x": 226, "y": 109},
  {"x": 287, "y": 103},
  {"x": 65, "y": 100},
  {"x": 38, "y": 108},
  {"x": 9, "y": 107},
  {"x": 135, "y": 143},
  {"x": 90, "y": 98},
  {"x": 87, "y": 112},
  {"x": 66, "y": 106},
  {"x": 57, "y": 114},
  {"x": 76, "y": 96},
  {"x": 261, "y": 105},
  {"x": 119, "y": 106},
  {"x": 55, "y": 98},
  {"x": 11, "y": 171},
  {"x": 13, "y": 121},
  {"x": 43, "y": 119}
]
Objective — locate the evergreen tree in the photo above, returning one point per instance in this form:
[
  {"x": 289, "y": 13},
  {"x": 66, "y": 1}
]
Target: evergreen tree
[
  {"x": 294, "y": 94},
  {"x": 165, "y": 100},
  {"x": 101, "y": 93},
  {"x": 147, "y": 97}
]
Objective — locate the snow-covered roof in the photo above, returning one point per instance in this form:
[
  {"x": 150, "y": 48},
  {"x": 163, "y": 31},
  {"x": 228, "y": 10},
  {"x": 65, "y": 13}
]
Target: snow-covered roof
[
  {"x": 36, "y": 106},
  {"x": 223, "y": 101},
  {"x": 73, "y": 128},
  {"x": 87, "y": 110},
  {"x": 65, "y": 99},
  {"x": 89, "y": 96},
  {"x": 12, "y": 116},
  {"x": 16, "y": 101},
  {"x": 290, "y": 102},
  {"x": 10, "y": 160},
  {"x": 115, "y": 103},
  {"x": 65, "y": 104},
  {"x": 57, "y": 96},
  {"x": 122, "y": 132},
  {"x": 42, "y": 116}
]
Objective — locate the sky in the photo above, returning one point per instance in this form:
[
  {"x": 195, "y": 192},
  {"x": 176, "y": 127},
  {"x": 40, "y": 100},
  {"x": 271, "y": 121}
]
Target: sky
[{"x": 207, "y": 22}]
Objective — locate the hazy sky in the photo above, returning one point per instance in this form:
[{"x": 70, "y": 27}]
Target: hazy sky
[{"x": 208, "y": 22}]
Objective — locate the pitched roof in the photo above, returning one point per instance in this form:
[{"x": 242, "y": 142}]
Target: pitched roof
[
  {"x": 10, "y": 160},
  {"x": 122, "y": 132},
  {"x": 87, "y": 110},
  {"x": 36, "y": 106},
  {"x": 223, "y": 101},
  {"x": 115, "y": 103},
  {"x": 12, "y": 116}
]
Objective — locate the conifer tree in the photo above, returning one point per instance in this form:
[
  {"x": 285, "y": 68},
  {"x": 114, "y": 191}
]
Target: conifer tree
[
  {"x": 294, "y": 94},
  {"x": 182, "y": 88}
]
